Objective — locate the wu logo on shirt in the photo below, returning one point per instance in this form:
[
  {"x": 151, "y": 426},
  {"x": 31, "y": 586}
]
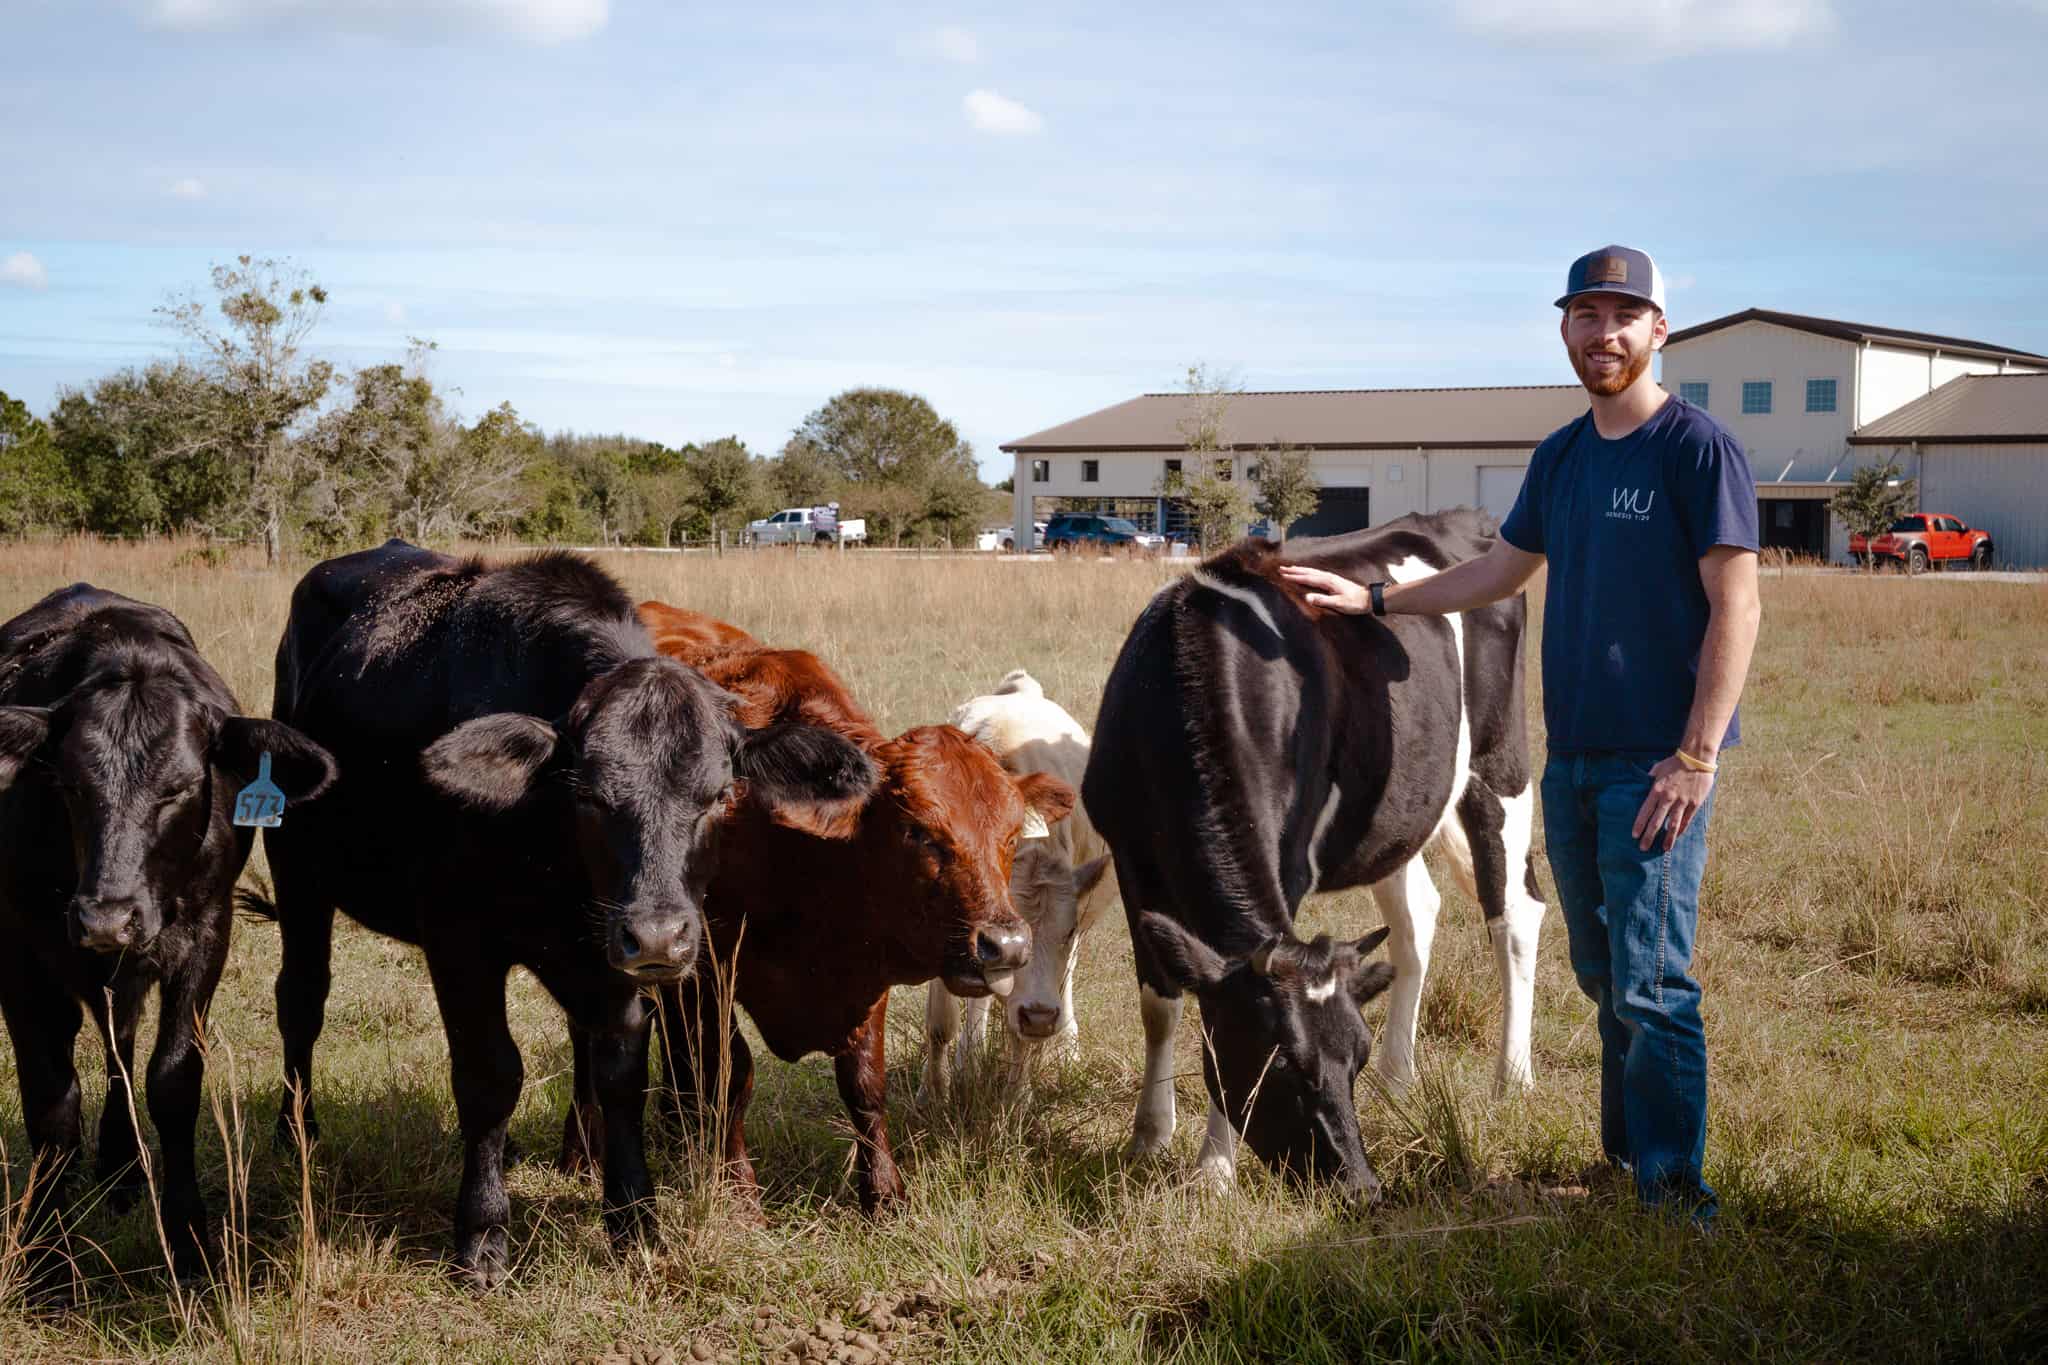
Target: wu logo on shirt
[{"x": 1631, "y": 504}]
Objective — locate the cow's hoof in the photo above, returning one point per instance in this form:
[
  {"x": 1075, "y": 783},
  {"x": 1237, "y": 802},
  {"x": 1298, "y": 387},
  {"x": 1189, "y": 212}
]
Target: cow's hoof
[
  {"x": 1216, "y": 1177},
  {"x": 124, "y": 1187},
  {"x": 1147, "y": 1142},
  {"x": 631, "y": 1225},
  {"x": 480, "y": 1265}
]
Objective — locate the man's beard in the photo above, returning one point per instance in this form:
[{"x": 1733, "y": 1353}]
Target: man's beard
[{"x": 1613, "y": 382}]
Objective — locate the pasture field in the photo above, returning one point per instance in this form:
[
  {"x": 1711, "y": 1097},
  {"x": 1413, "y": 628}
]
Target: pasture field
[{"x": 1874, "y": 945}]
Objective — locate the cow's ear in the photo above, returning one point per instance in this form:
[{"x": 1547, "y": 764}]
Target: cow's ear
[
  {"x": 803, "y": 768},
  {"x": 300, "y": 768},
  {"x": 1050, "y": 798},
  {"x": 1087, "y": 877},
  {"x": 490, "y": 762},
  {"x": 22, "y": 731},
  {"x": 1369, "y": 980},
  {"x": 1189, "y": 963}
]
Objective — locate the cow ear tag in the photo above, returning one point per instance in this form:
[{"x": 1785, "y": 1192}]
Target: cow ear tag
[
  {"x": 1034, "y": 826},
  {"x": 260, "y": 805}
]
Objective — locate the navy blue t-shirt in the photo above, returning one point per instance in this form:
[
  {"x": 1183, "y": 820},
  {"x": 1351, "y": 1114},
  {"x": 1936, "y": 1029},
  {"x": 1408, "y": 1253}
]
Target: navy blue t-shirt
[{"x": 1624, "y": 525}]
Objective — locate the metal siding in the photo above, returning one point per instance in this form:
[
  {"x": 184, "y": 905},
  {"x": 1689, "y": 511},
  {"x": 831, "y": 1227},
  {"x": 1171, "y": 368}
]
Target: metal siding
[{"x": 1994, "y": 488}]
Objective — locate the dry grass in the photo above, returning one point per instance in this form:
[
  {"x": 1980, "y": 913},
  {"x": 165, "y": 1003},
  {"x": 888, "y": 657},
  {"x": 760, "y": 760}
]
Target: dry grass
[{"x": 1877, "y": 1002}]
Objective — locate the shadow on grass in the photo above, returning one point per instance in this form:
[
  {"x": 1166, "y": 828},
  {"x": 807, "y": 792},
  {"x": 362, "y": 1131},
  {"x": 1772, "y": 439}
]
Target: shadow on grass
[{"x": 1601, "y": 1279}]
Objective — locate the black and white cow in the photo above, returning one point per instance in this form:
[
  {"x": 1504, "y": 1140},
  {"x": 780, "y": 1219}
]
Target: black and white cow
[
  {"x": 525, "y": 781},
  {"x": 121, "y": 755},
  {"x": 1251, "y": 750}
]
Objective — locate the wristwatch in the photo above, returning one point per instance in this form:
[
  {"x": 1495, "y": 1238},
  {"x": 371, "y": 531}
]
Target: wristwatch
[{"x": 1377, "y": 591}]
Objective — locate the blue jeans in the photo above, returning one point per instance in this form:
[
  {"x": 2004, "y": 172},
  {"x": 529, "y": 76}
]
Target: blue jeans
[{"x": 1630, "y": 916}]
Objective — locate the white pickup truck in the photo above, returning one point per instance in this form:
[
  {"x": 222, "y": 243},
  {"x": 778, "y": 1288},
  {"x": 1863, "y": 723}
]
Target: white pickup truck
[{"x": 806, "y": 526}]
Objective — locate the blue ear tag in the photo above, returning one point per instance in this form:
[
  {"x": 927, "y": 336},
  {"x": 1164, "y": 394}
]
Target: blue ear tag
[{"x": 261, "y": 803}]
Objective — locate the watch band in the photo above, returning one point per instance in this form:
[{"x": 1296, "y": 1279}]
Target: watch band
[{"x": 1377, "y": 591}]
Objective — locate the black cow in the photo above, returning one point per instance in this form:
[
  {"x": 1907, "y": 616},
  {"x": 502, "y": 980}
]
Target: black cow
[
  {"x": 1251, "y": 750},
  {"x": 121, "y": 754},
  {"x": 525, "y": 781}
]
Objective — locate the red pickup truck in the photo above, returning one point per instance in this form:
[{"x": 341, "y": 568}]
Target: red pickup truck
[{"x": 1924, "y": 539}]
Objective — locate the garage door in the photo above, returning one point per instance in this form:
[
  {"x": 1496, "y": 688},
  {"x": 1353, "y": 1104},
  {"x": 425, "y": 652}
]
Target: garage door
[
  {"x": 1337, "y": 510},
  {"x": 1498, "y": 485}
]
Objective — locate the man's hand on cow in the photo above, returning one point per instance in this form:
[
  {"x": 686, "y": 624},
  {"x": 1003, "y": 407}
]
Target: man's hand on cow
[
  {"x": 1675, "y": 798},
  {"x": 1328, "y": 590}
]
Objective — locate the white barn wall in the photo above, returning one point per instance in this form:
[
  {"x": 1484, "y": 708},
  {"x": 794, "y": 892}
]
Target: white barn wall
[
  {"x": 1811, "y": 442},
  {"x": 1892, "y": 378}
]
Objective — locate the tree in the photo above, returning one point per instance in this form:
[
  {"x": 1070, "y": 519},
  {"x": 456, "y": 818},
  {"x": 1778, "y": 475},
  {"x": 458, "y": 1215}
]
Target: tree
[
  {"x": 902, "y": 465},
  {"x": 36, "y": 490},
  {"x": 724, "y": 485},
  {"x": 1216, "y": 504},
  {"x": 262, "y": 385},
  {"x": 803, "y": 475},
  {"x": 1875, "y": 498},
  {"x": 1288, "y": 490},
  {"x": 139, "y": 456}
]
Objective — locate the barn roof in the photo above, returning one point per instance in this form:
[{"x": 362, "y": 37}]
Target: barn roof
[
  {"x": 1859, "y": 333},
  {"x": 1974, "y": 409},
  {"x": 1329, "y": 419}
]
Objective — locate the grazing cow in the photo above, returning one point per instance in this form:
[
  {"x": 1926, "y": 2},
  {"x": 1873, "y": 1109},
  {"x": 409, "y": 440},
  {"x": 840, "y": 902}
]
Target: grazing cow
[
  {"x": 121, "y": 755},
  {"x": 818, "y": 918},
  {"x": 1057, "y": 885},
  {"x": 524, "y": 781},
  {"x": 1251, "y": 750}
]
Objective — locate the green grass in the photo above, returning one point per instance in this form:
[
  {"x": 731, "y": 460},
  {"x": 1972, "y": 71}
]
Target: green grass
[{"x": 1877, "y": 1004}]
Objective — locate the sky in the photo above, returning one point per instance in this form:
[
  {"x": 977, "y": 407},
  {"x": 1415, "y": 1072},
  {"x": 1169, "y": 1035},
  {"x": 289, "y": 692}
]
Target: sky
[{"x": 683, "y": 221}]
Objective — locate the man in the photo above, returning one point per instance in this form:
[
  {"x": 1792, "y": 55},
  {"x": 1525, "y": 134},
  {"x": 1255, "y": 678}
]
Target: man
[{"x": 1645, "y": 511}]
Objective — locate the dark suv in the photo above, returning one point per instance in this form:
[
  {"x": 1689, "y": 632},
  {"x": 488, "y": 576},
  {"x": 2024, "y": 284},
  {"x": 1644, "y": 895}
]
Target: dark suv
[{"x": 1072, "y": 530}]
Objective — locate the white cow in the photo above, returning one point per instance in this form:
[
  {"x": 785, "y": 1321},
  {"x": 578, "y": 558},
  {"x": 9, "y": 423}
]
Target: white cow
[{"x": 1060, "y": 884}]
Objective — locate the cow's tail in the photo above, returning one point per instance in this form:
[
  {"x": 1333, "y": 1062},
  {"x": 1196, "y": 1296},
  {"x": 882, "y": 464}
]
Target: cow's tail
[
  {"x": 256, "y": 901},
  {"x": 1451, "y": 841},
  {"x": 1019, "y": 683}
]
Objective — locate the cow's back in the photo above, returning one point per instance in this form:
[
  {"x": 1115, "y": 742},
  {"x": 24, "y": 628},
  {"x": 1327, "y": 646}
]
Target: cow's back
[{"x": 1031, "y": 733}]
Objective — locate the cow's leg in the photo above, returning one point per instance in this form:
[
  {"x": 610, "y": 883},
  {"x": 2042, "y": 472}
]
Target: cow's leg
[
  {"x": 43, "y": 1023},
  {"x": 1153, "y": 1127},
  {"x": 583, "y": 1124},
  {"x": 973, "y": 1034},
  {"x": 177, "y": 1070},
  {"x": 1065, "y": 1045},
  {"x": 485, "y": 1072},
  {"x": 118, "y": 1165},
  {"x": 1216, "y": 1164},
  {"x": 305, "y": 925},
  {"x": 701, "y": 1045},
  {"x": 617, "y": 1044},
  {"x": 941, "y": 1028},
  {"x": 1501, "y": 831},
  {"x": 1409, "y": 902},
  {"x": 862, "y": 1071}
]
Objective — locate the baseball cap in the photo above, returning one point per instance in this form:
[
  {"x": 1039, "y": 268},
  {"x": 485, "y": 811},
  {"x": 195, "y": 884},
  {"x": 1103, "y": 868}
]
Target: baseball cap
[{"x": 1615, "y": 270}]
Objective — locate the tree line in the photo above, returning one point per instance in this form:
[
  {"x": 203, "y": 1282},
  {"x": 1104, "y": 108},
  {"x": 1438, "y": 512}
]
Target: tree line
[{"x": 247, "y": 434}]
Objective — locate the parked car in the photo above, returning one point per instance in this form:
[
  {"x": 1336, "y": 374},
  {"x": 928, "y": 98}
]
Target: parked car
[
  {"x": 1073, "y": 530},
  {"x": 806, "y": 526},
  {"x": 1923, "y": 539},
  {"x": 1005, "y": 537}
]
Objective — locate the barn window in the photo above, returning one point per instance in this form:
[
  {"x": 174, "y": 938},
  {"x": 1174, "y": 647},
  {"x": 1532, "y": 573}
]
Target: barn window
[
  {"x": 1251, "y": 472},
  {"x": 1694, "y": 392},
  {"x": 1041, "y": 471},
  {"x": 1756, "y": 396},
  {"x": 1820, "y": 395},
  {"x": 1091, "y": 471},
  {"x": 1223, "y": 470}
]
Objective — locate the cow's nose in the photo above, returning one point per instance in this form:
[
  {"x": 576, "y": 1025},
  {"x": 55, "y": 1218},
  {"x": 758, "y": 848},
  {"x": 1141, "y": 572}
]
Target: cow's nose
[
  {"x": 1037, "y": 1021},
  {"x": 657, "y": 947},
  {"x": 104, "y": 926},
  {"x": 998, "y": 949}
]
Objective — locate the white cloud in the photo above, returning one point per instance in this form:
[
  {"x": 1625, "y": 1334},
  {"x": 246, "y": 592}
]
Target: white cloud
[
  {"x": 1658, "y": 28},
  {"x": 189, "y": 188},
  {"x": 24, "y": 271},
  {"x": 993, "y": 113},
  {"x": 394, "y": 313},
  {"x": 536, "y": 21}
]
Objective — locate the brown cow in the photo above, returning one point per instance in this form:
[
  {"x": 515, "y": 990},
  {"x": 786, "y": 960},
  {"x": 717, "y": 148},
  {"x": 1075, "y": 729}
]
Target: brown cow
[{"x": 822, "y": 913}]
